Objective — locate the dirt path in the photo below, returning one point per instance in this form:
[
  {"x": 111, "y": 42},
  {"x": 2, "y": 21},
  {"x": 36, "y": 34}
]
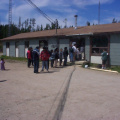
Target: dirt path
[{"x": 64, "y": 93}]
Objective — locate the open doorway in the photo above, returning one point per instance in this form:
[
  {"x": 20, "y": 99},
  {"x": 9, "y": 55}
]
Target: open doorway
[
  {"x": 7, "y": 49},
  {"x": 80, "y": 45},
  {"x": 42, "y": 43}
]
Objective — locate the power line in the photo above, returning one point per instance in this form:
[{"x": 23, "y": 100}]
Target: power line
[
  {"x": 99, "y": 13},
  {"x": 40, "y": 11}
]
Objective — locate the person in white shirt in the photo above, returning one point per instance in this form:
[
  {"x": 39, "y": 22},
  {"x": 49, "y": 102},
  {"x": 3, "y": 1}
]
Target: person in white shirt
[{"x": 75, "y": 51}]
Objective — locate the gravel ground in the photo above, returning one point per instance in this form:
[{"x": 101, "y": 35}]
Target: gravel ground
[{"x": 69, "y": 93}]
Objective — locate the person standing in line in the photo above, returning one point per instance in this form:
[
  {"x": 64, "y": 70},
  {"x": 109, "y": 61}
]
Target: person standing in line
[
  {"x": 74, "y": 52},
  {"x": 52, "y": 58},
  {"x": 36, "y": 59},
  {"x": 44, "y": 56},
  {"x": 29, "y": 56},
  {"x": 65, "y": 53},
  {"x": 49, "y": 55},
  {"x": 61, "y": 56},
  {"x": 71, "y": 53},
  {"x": 2, "y": 62},
  {"x": 104, "y": 59},
  {"x": 56, "y": 51},
  {"x": 78, "y": 54}
]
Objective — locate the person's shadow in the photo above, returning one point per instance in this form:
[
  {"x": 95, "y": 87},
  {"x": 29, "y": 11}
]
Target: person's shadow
[{"x": 3, "y": 80}]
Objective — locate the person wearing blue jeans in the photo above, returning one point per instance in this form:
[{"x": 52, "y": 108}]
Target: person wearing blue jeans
[
  {"x": 71, "y": 53},
  {"x": 36, "y": 59},
  {"x": 36, "y": 66},
  {"x": 44, "y": 65},
  {"x": 44, "y": 56}
]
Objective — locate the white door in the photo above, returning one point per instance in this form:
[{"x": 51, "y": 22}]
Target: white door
[
  {"x": 26, "y": 49},
  {"x": 17, "y": 52},
  {"x": 7, "y": 52}
]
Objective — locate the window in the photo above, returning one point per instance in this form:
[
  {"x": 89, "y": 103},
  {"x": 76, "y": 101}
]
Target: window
[
  {"x": 26, "y": 44},
  {"x": 16, "y": 44},
  {"x": 43, "y": 43},
  {"x": 7, "y": 44},
  {"x": 98, "y": 44}
]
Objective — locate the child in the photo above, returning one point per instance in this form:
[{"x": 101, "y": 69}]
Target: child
[
  {"x": 52, "y": 58},
  {"x": 2, "y": 64}
]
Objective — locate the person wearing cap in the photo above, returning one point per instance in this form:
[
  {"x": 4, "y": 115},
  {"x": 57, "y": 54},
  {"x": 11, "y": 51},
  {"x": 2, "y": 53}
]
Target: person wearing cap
[
  {"x": 44, "y": 56},
  {"x": 36, "y": 55}
]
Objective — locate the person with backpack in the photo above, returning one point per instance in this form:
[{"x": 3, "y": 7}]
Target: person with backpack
[
  {"x": 71, "y": 53},
  {"x": 44, "y": 56},
  {"x": 52, "y": 58},
  {"x": 104, "y": 59},
  {"x": 36, "y": 55},
  {"x": 65, "y": 53}
]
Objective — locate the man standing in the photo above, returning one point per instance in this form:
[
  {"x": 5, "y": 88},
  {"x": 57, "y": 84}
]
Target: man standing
[
  {"x": 44, "y": 56},
  {"x": 74, "y": 52},
  {"x": 29, "y": 56},
  {"x": 65, "y": 53},
  {"x": 104, "y": 59},
  {"x": 36, "y": 59},
  {"x": 71, "y": 53}
]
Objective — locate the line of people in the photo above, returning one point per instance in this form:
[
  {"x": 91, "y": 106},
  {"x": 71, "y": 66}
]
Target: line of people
[
  {"x": 33, "y": 57},
  {"x": 75, "y": 53}
]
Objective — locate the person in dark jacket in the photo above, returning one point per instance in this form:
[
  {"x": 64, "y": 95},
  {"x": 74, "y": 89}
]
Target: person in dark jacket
[
  {"x": 56, "y": 51},
  {"x": 65, "y": 54},
  {"x": 52, "y": 58},
  {"x": 36, "y": 55},
  {"x": 31, "y": 55}
]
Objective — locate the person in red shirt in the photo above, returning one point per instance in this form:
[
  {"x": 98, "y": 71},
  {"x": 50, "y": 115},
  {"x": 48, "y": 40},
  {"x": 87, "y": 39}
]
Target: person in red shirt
[
  {"x": 44, "y": 56},
  {"x": 29, "y": 56}
]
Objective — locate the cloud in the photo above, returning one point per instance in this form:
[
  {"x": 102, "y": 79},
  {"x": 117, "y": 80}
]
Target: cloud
[{"x": 83, "y": 3}]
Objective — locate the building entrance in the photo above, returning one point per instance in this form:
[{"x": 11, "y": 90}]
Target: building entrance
[{"x": 80, "y": 47}]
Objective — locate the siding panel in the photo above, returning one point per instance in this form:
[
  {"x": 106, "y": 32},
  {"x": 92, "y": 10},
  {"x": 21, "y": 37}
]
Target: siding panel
[
  {"x": 4, "y": 48},
  {"x": 21, "y": 49},
  {"x": 115, "y": 49},
  {"x": 87, "y": 48},
  {"x": 12, "y": 48}
]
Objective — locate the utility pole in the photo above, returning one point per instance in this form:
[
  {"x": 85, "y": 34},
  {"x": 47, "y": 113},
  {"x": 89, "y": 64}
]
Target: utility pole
[
  {"x": 99, "y": 14},
  {"x": 10, "y": 17},
  {"x": 19, "y": 23},
  {"x": 56, "y": 25},
  {"x": 65, "y": 21}
]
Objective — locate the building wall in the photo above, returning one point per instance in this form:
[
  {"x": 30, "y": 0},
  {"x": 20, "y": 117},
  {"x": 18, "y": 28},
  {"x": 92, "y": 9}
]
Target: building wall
[
  {"x": 52, "y": 43},
  {"x": 64, "y": 43},
  {"x": 12, "y": 48},
  {"x": 87, "y": 48},
  {"x": 33, "y": 43},
  {"x": 4, "y": 48},
  {"x": 115, "y": 49},
  {"x": 21, "y": 48}
]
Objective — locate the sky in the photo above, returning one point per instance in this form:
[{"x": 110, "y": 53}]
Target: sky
[{"x": 87, "y": 10}]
